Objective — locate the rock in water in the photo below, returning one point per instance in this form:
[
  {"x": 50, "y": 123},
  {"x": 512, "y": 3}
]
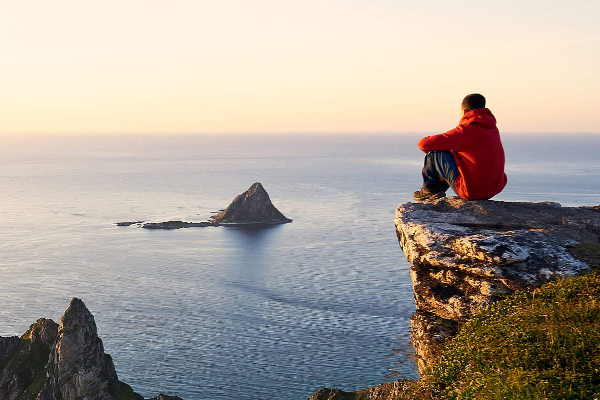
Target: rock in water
[
  {"x": 385, "y": 391},
  {"x": 252, "y": 207}
]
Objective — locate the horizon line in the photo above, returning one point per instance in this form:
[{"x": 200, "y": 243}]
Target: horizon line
[{"x": 258, "y": 132}]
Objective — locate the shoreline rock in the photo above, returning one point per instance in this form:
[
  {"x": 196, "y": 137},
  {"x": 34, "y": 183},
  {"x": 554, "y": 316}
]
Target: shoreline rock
[{"x": 384, "y": 391}]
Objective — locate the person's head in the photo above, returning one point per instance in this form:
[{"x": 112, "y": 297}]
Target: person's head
[{"x": 472, "y": 102}]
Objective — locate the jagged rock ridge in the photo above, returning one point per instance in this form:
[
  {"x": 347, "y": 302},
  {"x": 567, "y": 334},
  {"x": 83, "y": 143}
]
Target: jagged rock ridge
[
  {"x": 466, "y": 255},
  {"x": 61, "y": 362},
  {"x": 252, "y": 206}
]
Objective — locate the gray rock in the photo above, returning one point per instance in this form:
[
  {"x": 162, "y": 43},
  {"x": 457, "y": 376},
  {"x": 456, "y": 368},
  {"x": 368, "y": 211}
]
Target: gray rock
[
  {"x": 78, "y": 368},
  {"x": 252, "y": 206},
  {"x": 44, "y": 330},
  {"x": 466, "y": 255},
  {"x": 384, "y": 391}
]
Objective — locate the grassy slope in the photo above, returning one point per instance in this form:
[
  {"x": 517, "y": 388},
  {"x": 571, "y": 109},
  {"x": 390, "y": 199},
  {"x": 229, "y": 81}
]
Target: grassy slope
[{"x": 543, "y": 344}]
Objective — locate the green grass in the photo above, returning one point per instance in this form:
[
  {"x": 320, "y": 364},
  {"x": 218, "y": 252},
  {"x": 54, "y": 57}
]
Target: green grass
[{"x": 543, "y": 344}]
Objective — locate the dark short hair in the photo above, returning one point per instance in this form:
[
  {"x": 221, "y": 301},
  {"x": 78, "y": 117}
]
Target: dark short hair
[{"x": 473, "y": 101}]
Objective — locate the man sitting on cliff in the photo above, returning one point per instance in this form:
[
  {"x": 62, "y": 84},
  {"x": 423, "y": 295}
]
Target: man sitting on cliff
[{"x": 468, "y": 158}]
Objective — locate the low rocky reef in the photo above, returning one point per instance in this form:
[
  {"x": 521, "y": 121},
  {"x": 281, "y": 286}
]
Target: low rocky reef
[
  {"x": 385, "y": 391},
  {"x": 251, "y": 208},
  {"x": 63, "y": 361},
  {"x": 465, "y": 255}
]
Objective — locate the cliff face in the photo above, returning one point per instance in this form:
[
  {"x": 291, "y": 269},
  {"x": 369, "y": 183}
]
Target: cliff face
[
  {"x": 467, "y": 254},
  {"x": 78, "y": 364},
  {"x": 61, "y": 362}
]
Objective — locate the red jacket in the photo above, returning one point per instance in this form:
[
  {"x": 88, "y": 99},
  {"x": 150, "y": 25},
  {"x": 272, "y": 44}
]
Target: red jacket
[{"x": 478, "y": 152}]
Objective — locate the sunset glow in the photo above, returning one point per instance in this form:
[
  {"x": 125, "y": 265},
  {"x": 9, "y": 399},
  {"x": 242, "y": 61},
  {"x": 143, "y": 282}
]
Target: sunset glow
[{"x": 305, "y": 66}]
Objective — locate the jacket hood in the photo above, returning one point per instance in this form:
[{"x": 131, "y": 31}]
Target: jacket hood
[{"x": 479, "y": 116}]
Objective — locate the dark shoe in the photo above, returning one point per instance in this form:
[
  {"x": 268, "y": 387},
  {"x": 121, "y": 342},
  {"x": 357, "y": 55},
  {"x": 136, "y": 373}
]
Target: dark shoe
[
  {"x": 444, "y": 185},
  {"x": 428, "y": 194}
]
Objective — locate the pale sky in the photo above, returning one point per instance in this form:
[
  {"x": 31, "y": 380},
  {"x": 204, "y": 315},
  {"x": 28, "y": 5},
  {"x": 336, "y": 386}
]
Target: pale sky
[{"x": 304, "y": 66}]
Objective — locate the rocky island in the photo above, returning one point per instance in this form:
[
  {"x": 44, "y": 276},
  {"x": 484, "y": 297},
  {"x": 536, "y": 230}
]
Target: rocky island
[
  {"x": 253, "y": 207},
  {"x": 467, "y": 255},
  {"x": 63, "y": 361}
]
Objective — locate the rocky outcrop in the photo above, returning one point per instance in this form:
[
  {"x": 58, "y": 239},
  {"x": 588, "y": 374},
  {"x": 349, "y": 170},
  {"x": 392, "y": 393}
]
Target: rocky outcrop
[
  {"x": 23, "y": 365},
  {"x": 253, "y": 206},
  {"x": 386, "y": 391},
  {"x": 466, "y": 255},
  {"x": 7, "y": 344},
  {"x": 78, "y": 365},
  {"x": 61, "y": 362}
]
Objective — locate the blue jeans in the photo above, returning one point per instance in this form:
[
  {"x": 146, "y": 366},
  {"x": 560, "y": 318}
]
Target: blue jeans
[{"x": 440, "y": 166}]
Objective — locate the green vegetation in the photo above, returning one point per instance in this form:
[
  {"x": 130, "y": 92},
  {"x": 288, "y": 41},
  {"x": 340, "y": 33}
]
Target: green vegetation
[
  {"x": 543, "y": 344},
  {"x": 587, "y": 252},
  {"x": 27, "y": 367}
]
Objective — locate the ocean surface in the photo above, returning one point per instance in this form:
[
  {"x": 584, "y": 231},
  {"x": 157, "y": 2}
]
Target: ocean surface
[{"x": 224, "y": 313}]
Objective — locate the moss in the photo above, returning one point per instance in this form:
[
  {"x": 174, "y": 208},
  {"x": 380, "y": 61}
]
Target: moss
[
  {"x": 39, "y": 380},
  {"x": 27, "y": 366}
]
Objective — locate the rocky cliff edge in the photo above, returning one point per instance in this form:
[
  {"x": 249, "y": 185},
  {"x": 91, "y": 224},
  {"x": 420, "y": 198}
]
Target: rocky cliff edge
[{"x": 466, "y": 255}]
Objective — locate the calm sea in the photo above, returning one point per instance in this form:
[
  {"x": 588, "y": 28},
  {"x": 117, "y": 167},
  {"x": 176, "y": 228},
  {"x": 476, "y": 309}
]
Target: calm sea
[{"x": 222, "y": 313}]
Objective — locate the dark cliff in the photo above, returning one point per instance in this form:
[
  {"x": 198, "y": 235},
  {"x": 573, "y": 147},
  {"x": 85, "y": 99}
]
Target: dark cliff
[{"x": 63, "y": 361}]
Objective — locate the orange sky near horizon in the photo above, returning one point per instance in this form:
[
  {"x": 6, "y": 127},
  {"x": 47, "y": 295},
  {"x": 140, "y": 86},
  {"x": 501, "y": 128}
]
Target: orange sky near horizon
[{"x": 297, "y": 66}]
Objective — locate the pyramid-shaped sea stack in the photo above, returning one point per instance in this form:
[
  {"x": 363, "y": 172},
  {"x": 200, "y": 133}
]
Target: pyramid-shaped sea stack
[{"x": 251, "y": 207}]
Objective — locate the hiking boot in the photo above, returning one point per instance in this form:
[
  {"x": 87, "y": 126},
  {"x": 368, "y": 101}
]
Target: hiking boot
[{"x": 428, "y": 194}]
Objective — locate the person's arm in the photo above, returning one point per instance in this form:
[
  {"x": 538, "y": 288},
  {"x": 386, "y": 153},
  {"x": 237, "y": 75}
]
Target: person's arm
[{"x": 450, "y": 140}]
